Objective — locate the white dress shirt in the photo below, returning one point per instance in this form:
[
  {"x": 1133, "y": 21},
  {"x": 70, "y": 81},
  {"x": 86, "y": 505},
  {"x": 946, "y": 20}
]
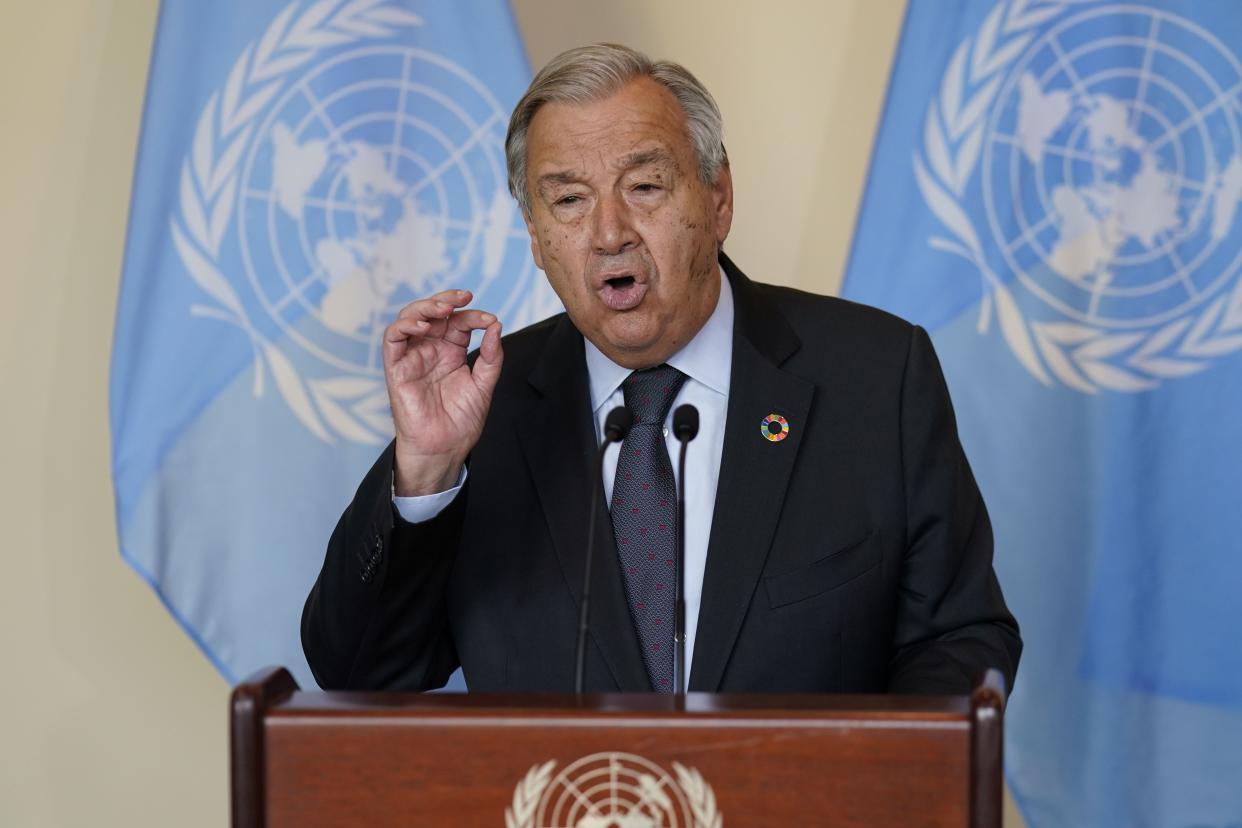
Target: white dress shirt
[{"x": 706, "y": 361}]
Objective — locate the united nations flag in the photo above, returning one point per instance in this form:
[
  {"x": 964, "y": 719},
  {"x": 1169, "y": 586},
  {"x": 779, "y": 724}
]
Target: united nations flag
[
  {"x": 304, "y": 171},
  {"x": 1055, "y": 194}
]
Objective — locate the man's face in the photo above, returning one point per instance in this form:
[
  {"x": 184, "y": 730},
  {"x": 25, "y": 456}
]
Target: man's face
[{"x": 621, "y": 223}]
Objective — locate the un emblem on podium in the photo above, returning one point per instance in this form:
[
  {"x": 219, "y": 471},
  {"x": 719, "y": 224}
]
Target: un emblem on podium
[
  {"x": 338, "y": 174},
  {"x": 1087, "y": 161},
  {"x": 613, "y": 790}
]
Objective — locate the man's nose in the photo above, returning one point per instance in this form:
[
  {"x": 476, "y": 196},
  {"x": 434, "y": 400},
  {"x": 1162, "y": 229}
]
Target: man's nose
[{"x": 614, "y": 230}]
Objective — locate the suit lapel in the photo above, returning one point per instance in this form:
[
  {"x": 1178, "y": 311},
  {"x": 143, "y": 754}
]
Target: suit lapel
[
  {"x": 558, "y": 440},
  {"x": 754, "y": 473}
]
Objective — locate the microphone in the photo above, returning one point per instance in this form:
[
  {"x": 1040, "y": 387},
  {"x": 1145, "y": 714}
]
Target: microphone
[
  {"x": 686, "y": 423},
  {"x": 616, "y": 426},
  {"x": 685, "y": 429}
]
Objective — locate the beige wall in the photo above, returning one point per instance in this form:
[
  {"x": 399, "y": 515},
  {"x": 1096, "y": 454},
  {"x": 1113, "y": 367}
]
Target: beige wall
[{"x": 110, "y": 715}]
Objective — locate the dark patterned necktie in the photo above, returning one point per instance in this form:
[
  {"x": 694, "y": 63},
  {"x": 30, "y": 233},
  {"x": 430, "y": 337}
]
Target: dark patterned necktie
[{"x": 644, "y": 513}]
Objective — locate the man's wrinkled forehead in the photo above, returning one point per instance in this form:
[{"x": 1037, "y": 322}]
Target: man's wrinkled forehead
[{"x": 639, "y": 124}]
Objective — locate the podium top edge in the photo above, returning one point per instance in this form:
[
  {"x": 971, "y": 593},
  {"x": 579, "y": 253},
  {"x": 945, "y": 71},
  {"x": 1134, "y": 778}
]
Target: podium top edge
[{"x": 944, "y": 708}]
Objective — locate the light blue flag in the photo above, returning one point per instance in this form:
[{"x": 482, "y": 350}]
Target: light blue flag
[
  {"x": 304, "y": 171},
  {"x": 1055, "y": 195}
]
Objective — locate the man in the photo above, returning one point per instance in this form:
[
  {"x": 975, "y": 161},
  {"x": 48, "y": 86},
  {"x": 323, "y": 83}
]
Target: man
[{"x": 835, "y": 538}]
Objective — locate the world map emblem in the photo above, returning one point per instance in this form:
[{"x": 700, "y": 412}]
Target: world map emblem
[
  {"x": 613, "y": 790},
  {"x": 356, "y": 172},
  {"x": 1086, "y": 159}
]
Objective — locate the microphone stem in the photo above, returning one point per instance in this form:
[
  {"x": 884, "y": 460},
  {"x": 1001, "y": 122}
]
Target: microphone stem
[
  {"x": 679, "y": 607},
  {"x": 584, "y": 608}
]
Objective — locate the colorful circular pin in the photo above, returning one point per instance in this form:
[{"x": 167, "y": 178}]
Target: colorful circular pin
[{"x": 774, "y": 428}]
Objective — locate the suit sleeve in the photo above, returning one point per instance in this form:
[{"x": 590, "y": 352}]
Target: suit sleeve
[
  {"x": 952, "y": 622},
  {"x": 377, "y": 617}
]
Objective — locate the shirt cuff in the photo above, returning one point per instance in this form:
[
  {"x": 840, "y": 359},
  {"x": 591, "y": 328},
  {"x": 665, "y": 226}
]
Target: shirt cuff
[{"x": 425, "y": 507}]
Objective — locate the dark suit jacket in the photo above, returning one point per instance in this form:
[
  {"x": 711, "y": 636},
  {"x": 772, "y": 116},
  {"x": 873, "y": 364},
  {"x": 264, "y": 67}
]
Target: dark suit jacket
[{"x": 853, "y": 556}]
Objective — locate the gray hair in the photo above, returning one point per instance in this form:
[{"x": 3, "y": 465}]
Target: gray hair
[{"x": 591, "y": 73}]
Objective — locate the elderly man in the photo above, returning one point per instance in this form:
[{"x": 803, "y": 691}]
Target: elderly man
[{"x": 835, "y": 540}]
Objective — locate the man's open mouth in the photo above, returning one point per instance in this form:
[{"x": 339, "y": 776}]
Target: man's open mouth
[{"x": 622, "y": 292}]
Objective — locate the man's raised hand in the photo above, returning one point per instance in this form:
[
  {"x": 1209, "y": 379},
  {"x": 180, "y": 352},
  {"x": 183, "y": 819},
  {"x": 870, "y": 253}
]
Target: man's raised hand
[{"x": 438, "y": 403}]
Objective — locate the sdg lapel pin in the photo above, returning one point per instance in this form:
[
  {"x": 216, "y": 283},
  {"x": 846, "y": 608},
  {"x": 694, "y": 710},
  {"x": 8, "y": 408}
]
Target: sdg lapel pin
[{"x": 774, "y": 428}]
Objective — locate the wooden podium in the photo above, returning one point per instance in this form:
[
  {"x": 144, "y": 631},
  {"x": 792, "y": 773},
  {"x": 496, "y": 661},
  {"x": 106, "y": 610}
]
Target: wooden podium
[{"x": 629, "y": 761}]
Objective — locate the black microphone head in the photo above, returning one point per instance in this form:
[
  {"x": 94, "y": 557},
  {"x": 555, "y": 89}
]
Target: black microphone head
[
  {"x": 686, "y": 422},
  {"x": 617, "y": 424}
]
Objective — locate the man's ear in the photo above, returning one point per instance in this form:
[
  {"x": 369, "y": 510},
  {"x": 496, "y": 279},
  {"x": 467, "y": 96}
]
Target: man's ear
[
  {"x": 722, "y": 201},
  {"x": 535, "y": 252}
]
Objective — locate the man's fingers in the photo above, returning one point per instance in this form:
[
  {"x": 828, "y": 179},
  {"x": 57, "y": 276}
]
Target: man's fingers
[
  {"x": 491, "y": 356},
  {"x": 399, "y": 335},
  {"x": 455, "y": 329},
  {"x": 470, "y": 320},
  {"x": 455, "y": 326},
  {"x": 427, "y": 309},
  {"x": 438, "y": 306},
  {"x": 403, "y": 329},
  {"x": 442, "y": 317}
]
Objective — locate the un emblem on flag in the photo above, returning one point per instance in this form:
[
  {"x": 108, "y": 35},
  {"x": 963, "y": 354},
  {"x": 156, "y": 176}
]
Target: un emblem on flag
[
  {"x": 357, "y": 173},
  {"x": 1088, "y": 163}
]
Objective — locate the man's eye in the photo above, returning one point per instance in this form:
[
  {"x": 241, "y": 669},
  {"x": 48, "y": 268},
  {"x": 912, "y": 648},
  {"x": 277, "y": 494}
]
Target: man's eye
[
  {"x": 569, "y": 199},
  {"x": 646, "y": 187}
]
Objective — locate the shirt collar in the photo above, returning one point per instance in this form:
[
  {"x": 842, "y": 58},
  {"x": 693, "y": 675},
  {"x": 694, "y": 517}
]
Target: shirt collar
[{"x": 706, "y": 358}]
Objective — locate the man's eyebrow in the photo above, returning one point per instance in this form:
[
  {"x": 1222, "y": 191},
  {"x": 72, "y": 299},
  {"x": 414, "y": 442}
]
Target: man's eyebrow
[
  {"x": 655, "y": 155},
  {"x": 560, "y": 177}
]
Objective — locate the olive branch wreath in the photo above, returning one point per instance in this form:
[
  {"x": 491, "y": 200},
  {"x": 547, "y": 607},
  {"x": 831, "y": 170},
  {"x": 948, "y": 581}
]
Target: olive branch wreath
[
  {"x": 702, "y": 800},
  {"x": 355, "y": 408},
  {"x": 1084, "y": 357},
  {"x": 700, "y": 795},
  {"x": 526, "y": 795}
]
